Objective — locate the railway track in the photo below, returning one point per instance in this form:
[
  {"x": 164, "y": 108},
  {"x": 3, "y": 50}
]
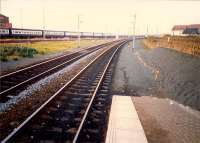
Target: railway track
[
  {"x": 75, "y": 113},
  {"x": 15, "y": 82}
]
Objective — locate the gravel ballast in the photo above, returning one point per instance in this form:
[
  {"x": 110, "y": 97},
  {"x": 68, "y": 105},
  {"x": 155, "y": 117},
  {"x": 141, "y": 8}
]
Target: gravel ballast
[{"x": 18, "y": 108}]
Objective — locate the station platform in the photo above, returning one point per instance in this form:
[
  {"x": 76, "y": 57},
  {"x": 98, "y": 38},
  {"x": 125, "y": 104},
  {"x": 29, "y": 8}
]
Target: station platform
[{"x": 124, "y": 124}]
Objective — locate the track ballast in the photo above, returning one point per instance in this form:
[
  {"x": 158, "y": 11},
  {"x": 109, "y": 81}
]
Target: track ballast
[{"x": 64, "y": 117}]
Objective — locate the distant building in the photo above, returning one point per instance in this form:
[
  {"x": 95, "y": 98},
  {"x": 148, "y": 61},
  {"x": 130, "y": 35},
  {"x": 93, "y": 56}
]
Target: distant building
[
  {"x": 178, "y": 29},
  {"x": 4, "y": 22},
  {"x": 193, "y": 29}
]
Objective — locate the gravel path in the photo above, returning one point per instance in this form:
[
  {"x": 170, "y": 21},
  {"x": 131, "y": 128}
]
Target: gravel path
[
  {"x": 160, "y": 71},
  {"x": 165, "y": 86},
  {"x": 131, "y": 76}
]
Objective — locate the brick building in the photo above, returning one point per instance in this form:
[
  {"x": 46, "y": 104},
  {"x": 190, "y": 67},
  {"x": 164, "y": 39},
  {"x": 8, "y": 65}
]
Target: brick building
[{"x": 4, "y": 22}]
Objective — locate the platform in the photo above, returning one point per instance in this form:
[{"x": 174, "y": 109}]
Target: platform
[{"x": 124, "y": 124}]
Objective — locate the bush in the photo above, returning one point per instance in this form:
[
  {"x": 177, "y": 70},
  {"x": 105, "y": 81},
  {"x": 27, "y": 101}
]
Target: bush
[
  {"x": 27, "y": 52},
  {"x": 15, "y": 58},
  {"x": 4, "y": 58},
  {"x": 16, "y": 52}
]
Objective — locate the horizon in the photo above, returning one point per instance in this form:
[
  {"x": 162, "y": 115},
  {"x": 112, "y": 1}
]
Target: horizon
[{"x": 102, "y": 16}]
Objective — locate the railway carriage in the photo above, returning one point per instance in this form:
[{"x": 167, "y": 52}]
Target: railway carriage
[
  {"x": 32, "y": 33},
  {"x": 108, "y": 35},
  {"x": 98, "y": 35},
  {"x": 87, "y": 35},
  {"x": 123, "y": 36},
  {"x": 4, "y": 32},
  {"x": 71, "y": 34},
  {"x": 54, "y": 34},
  {"x": 25, "y": 33}
]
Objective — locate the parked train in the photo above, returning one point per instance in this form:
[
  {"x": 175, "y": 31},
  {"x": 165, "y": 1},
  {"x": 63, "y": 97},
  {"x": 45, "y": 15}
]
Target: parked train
[{"x": 33, "y": 33}]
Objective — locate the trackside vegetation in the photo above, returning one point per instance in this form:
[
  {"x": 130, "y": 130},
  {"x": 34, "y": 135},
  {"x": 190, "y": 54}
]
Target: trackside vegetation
[
  {"x": 16, "y": 51},
  {"x": 185, "y": 44}
]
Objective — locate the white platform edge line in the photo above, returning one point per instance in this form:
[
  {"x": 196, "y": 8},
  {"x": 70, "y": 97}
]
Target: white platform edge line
[{"x": 111, "y": 132}]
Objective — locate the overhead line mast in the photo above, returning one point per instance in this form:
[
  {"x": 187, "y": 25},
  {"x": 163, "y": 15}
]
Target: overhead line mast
[
  {"x": 1, "y": 9},
  {"x": 43, "y": 18},
  {"x": 134, "y": 25},
  {"x": 78, "y": 29}
]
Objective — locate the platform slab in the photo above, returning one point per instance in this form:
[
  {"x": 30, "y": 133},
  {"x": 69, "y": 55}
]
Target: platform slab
[{"x": 124, "y": 124}]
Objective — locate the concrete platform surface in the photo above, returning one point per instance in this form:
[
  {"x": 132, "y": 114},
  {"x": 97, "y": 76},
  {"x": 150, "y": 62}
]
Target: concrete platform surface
[
  {"x": 124, "y": 124},
  {"x": 167, "y": 121}
]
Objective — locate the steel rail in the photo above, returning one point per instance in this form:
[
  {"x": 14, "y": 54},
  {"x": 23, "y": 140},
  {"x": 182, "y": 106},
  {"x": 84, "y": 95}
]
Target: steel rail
[
  {"x": 49, "y": 60},
  {"x": 43, "y": 73},
  {"x": 29, "y": 118},
  {"x": 93, "y": 96},
  {"x": 49, "y": 70}
]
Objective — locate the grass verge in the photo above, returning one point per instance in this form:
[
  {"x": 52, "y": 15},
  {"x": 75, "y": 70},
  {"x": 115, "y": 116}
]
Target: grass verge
[{"x": 15, "y": 51}]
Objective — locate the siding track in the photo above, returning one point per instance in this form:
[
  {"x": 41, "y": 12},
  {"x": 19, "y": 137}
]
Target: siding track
[{"x": 15, "y": 82}]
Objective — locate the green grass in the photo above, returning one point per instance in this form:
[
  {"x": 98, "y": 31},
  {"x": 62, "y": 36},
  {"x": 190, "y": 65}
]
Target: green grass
[{"x": 15, "y": 51}]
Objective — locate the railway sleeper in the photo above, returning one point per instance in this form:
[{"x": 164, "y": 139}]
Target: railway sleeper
[
  {"x": 7, "y": 82},
  {"x": 103, "y": 92},
  {"x": 104, "y": 87},
  {"x": 79, "y": 86},
  {"x": 82, "y": 82},
  {"x": 79, "y": 94},
  {"x": 106, "y": 83},
  {"x": 4, "y": 99},
  {"x": 103, "y": 95},
  {"x": 74, "y": 90},
  {"x": 101, "y": 99},
  {"x": 90, "y": 135}
]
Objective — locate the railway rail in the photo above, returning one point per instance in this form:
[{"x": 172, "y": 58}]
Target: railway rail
[
  {"x": 15, "y": 82},
  {"x": 75, "y": 113}
]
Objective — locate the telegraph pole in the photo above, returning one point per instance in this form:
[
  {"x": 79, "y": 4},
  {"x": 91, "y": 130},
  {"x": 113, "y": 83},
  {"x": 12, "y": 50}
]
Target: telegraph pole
[
  {"x": 43, "y": 18},
  {"x": 0, "y": 6},
  {"x": 134, "y": 25},
  {"x": 21, "y": 17},
  {"x": 78, "y": 29},
  {"x": 106, "y": 31},
  {"x": 1, "y": 9},
  {"x": 147, "y": 32}
]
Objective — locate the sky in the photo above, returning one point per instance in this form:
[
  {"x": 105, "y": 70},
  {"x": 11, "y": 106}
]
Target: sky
[{"x": 109, "y": 16}]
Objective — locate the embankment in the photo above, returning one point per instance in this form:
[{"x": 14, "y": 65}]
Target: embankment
[{"x": 185, "y": 44}]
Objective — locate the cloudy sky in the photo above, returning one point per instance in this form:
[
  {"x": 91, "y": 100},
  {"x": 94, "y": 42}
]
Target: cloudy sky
[{"x": 112, "y": 16}]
